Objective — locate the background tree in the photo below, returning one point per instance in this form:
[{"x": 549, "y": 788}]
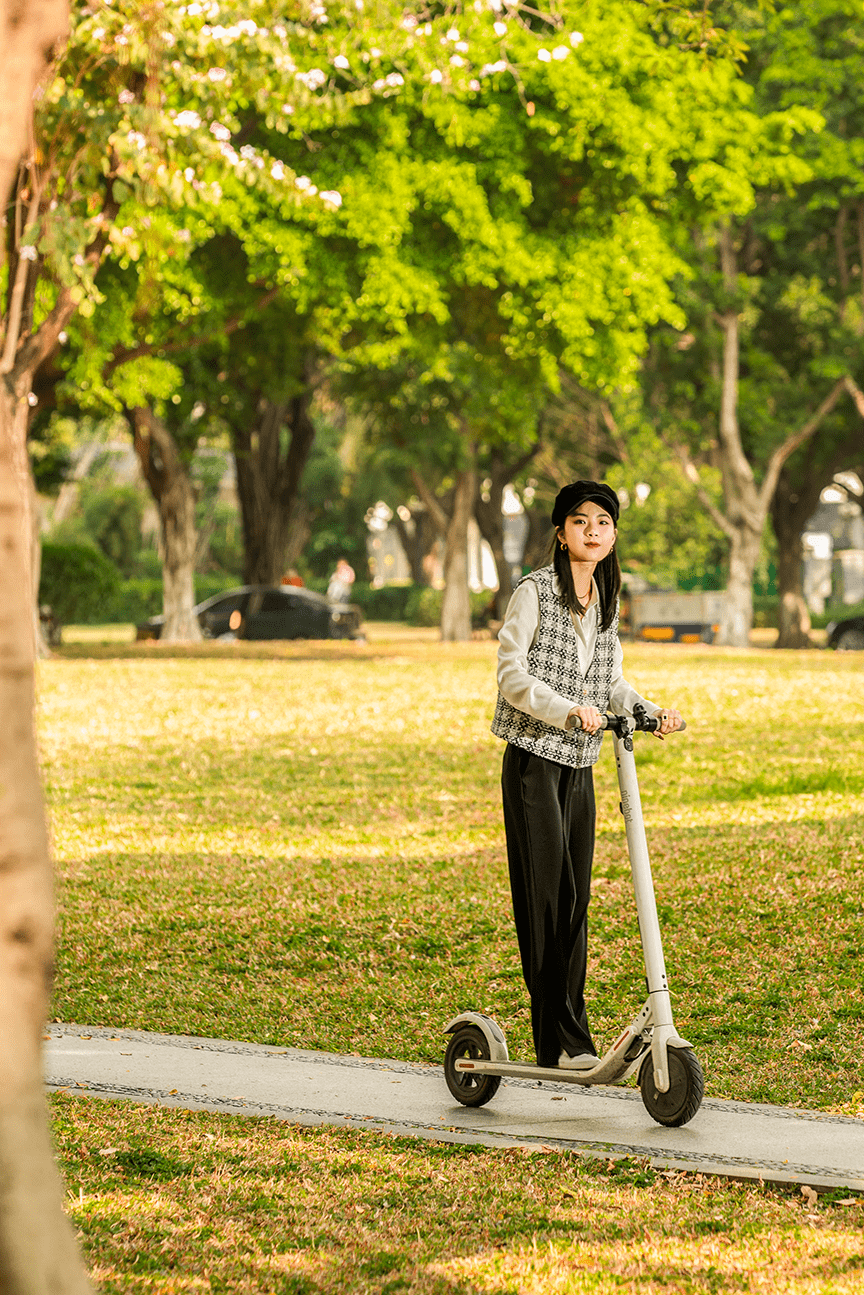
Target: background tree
[
  {"x": 38, "y": 1252},
  {"x": 774, "y": 308},
  {"x": 550, "y": 245},
  {"x": 147, "y": 123}
]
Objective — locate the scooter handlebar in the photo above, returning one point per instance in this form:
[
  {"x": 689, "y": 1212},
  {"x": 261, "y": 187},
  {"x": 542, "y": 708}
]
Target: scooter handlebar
[{"x": 645, "y": 723}]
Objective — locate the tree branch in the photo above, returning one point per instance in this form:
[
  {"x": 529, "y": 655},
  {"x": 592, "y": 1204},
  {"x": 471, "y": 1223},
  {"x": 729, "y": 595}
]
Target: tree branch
[
  {"x": 16, "y": 298},
  {"x": 171, "y": 348},
  {"x": 39, "y": 345},
  {"x": 691, "y": 472},
  {"x": 790, "y": 445},
  {"x": 612, "y": 427},
  {"x": 730, "y": 433},
  {"x": 855, "y": 392},
  {"x": 436, "y": 512}
]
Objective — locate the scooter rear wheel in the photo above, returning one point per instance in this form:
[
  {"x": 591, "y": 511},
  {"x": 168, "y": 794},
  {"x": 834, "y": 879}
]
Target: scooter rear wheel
[
  {"x": 686, "y": 1087},
  {"x": 471, "y": 1090}
]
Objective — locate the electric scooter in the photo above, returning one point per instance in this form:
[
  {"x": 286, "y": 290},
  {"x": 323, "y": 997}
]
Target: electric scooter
[{"x": 668, "y": 1073}]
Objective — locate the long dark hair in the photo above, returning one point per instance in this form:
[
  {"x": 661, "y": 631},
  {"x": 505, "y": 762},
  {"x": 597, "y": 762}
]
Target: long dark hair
[{"x": 607, "y": 574}]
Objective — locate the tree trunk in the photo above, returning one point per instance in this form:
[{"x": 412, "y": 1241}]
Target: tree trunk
[
  {"x": 745, "y": 514},
  {"x": 456, "y": 605},
  {"x": 451, "y": 514},
  {"x": 790, "y": 509},
  {"x": 268, "y": 484},
  {"x": 794, "y": 615},
  {"x": 38, "y": 1252},
  {"x": 737, "y": 619},
  {"x": 298, "y": 530},
  {"x": 171, "y": 486},
  {"x": 418, "y": 541},
  {"x": 490, "y": 517}
]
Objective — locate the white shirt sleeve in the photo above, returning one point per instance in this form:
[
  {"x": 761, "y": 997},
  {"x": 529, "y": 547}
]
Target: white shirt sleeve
[
  {"x": 515, "y": 637},
  {"x": 622, "y": 697},
  {"x": 527, "y": 693}
]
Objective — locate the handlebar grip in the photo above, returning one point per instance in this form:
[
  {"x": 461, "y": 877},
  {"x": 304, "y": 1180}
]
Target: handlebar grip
[
  {"x": 648, "y": 724},
  {"x": 652, "y": 724}
]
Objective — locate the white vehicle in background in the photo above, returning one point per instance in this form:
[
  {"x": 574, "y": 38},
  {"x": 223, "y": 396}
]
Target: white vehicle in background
[{"x": 661, "y": 616}]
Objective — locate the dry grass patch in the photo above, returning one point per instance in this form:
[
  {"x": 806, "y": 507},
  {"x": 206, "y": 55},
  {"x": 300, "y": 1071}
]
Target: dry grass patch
[{"x": 169, "y": 1201}]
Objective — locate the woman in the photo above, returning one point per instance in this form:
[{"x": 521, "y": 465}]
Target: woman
[{"x": 559, "y": 671}]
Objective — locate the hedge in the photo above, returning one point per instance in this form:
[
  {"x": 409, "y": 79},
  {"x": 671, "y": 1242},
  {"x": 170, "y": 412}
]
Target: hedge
[
  {"x": 82, "y": 587},
  {"x": 138, "y": 600},
  {"x": 414, "y": 604},
  {"x": 77, "y": 582}
]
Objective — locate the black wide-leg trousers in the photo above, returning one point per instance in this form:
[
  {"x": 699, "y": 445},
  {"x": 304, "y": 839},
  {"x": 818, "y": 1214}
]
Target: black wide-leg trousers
[{"x": 549, "y": 824}]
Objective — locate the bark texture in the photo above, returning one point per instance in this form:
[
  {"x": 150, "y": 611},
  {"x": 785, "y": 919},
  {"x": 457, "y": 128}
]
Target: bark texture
[
  {"x": 419, "y": 536},
  {"x": 501, "y": 472},
  {"x": 789, "y": 513},
  {"x": 38, "y": 1251},
  {"x": 270, "y": 458},
  {"x": 171, "y": 485},
  {"x": 452, "y": 518}
]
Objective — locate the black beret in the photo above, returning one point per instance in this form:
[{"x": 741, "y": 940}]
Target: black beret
[{"x": 570, "y": 497}]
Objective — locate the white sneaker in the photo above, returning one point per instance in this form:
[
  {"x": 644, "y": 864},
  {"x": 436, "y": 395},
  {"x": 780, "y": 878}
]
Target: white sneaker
[{"x": 582, "y": 1061}]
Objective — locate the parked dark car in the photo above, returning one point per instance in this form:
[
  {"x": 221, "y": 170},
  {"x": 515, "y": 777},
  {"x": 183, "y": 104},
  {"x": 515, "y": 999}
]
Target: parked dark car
[
  {"x": 269, "y": 612},
  {"x": 848, "y": 635}
]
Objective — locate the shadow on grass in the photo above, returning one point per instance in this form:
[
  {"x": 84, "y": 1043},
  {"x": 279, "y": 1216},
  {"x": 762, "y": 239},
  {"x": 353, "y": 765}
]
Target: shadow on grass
[
  {"x": 277, "y": 650},
  {"x": 845, "y": 781}
]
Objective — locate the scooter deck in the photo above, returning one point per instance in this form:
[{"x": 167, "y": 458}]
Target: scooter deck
[{"x": 611, "y": 1071}]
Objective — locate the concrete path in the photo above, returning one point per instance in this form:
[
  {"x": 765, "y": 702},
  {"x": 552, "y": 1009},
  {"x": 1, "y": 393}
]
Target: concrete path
[{"x": 736, "y": 1139}]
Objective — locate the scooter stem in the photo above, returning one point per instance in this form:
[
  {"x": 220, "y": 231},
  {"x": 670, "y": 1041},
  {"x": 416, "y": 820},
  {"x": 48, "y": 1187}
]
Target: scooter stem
[{"x": 646, "y": 909}]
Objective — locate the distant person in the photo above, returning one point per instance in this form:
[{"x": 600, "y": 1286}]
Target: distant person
[
  {"x": 341, "y": 581},
  {"x": 293, "y": 577}
]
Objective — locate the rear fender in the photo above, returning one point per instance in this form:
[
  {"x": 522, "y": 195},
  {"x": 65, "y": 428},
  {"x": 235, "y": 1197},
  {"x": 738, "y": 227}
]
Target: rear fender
[{"x": 493, "y": 1032}]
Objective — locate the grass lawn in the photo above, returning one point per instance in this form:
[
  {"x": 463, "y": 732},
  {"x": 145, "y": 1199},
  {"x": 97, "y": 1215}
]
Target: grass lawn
[
  {"x": 300, "y": 845},
  {"x": 174, "y": 1202}
]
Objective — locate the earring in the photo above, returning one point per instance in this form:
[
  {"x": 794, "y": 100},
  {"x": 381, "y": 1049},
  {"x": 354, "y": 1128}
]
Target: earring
[{"x": 564, "y": 546}]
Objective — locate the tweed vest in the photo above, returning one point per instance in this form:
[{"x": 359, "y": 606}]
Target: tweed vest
[{"x": 554, "y": 659}]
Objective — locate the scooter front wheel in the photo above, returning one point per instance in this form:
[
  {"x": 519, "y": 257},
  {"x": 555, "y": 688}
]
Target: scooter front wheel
[
  {"x": 470, "y": 1043},
  {"x": 686, "y": 1087}
]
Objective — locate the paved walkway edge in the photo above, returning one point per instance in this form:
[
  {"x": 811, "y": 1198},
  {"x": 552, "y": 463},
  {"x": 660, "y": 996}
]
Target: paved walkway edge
[{"x": 351, "y": 1093}]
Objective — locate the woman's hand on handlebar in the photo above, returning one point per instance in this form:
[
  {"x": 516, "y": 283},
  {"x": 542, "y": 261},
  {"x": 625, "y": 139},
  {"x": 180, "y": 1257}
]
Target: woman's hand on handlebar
[
  {"x": 670, "y": 721},
  {"x": 588, "y": 718}
]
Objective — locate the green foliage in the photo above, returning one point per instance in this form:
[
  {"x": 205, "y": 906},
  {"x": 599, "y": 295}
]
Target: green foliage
[
  {"x": 50, "y": 461},
  {"x": 416, "y": 604},
  {"x": 799, "y": 262},
  {"x": 336, "y": 496},
  {"x": 836, "y": 612},
  {"x": 77, "y": 582},
  {"x": 225, "y": 542},
  {"x": 662, "y": 536},
  {"x": 139, "y": 599},
  {"x": 389, "y": 603},
  {"x": 111, "y": 517}
]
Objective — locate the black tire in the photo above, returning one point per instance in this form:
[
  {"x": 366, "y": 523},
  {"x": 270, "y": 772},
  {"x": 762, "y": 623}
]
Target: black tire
[
  {"x": 471, "y": 1090},
  {"x": 686, "y": 1087},
  {"x": 851, "y": 640}
]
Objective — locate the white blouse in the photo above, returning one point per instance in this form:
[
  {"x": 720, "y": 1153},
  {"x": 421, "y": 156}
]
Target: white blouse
[{"x": 529, "y": 694}]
